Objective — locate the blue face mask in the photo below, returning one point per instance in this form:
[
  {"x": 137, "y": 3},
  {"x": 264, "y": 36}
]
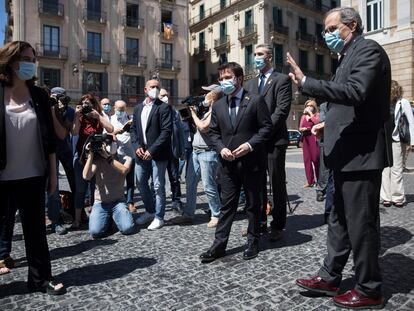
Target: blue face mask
[
  {"x": 120, "y": 114},
  {"x": 26, "y": 70},
  {"x": 227, "y": 86},
  {"x": 107, "y": 108},
  {"x": 334, "y": 41},
  {"x": 259, "y": 62}
]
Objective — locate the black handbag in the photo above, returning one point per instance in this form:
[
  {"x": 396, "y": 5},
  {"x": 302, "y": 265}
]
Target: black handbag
[{"x": 403, "y": 128}]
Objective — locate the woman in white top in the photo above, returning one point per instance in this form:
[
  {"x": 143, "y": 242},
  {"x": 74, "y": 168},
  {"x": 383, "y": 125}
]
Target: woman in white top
[
  {"x": 392, "y": 188},
  {"x": 27, "y": 160}
]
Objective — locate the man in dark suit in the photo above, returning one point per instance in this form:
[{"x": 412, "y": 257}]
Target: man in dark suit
[
  {"x": 356, "y": 148},
  {"x": 151, "y": 140},
  {"x": 239, "y": 128},
  {"x": 276, "y": 88}
]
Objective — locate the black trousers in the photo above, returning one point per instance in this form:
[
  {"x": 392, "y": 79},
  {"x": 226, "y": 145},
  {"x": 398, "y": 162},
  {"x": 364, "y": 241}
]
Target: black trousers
[
  {"x": 231, "y": 178},
  {"x": 28, "y": 196},
  {"x": 323, "y": 180},
  {"x": 277, "y": 175},
  {"x": 354, "y": 224},
  {"x": 174, "y": 177}
]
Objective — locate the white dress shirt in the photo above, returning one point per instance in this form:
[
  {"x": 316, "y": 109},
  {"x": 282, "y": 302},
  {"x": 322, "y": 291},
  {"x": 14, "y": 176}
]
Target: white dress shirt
[
  {"x": 406, "y": 108},
  {"x": 146, "y": 110},
  {"x": 267, "y": 74}
]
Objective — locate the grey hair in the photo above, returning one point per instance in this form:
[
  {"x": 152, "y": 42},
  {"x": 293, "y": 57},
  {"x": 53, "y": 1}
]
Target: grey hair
[
  {"x": 268, "y": 48},
  {"x": 347, "y": 16}
]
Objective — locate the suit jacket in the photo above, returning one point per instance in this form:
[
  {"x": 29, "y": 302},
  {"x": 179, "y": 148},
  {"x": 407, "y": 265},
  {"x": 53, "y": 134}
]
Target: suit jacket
[
  {"x": 158, "y": 131},
  {"x": 40, "y": 103},
  {"x": 253, "y": 125},
  {"x": 356, "y": 137},
  {"x": 277, "y": 93}
]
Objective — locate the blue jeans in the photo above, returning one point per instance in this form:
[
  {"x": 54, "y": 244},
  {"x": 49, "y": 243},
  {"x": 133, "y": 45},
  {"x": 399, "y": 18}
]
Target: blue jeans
[
  {"x": 143, "y": 171},
  {"x": 81, "y": 184},
  {"x": 99, "y": 219},
  {"x": 130, "y": 182},
  {"x": 202, "y": 165}
]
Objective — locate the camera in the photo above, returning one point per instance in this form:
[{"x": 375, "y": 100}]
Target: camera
[
  {"x": 97, "y": 140},
  {"x": 59, "y": 99},
  {"x": 197, "y": 103},
  {"x": 86, "y": 107}
]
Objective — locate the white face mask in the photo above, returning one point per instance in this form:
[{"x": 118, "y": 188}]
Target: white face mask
[
  {"x": 153, "y": 93},
  {"x": 164, "y": 99}
]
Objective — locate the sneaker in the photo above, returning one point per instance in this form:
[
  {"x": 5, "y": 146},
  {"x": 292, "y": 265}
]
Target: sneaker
[
  {"x": 60, "y": 230},
  {"x": 213, "y": 222},
  {"x": 144, "y": 218},
  {"x": 156, "y": 224}
]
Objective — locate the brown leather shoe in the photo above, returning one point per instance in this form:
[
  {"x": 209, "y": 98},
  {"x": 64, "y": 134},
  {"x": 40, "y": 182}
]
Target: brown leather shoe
[
  {"x": 317, "y": 285},
  {"x": 354, "y": 300}
]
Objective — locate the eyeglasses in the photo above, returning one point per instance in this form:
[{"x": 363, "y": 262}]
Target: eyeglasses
[
  {"x": 28, "y": 59},
  {"x": 331, "y": 29}
]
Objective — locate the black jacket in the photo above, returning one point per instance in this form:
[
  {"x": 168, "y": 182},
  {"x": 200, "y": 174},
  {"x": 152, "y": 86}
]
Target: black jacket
[
  {"x": 356, "y": 137},
  {"x": 158, "y": 131},
  {"x": 277, "y": 93},
  {"x": 253, "y": 125},
  {"x": 41, "y": 106}
]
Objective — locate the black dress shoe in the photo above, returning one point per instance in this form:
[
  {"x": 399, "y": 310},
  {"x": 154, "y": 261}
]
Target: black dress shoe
[
  {"x": 251, "y": 251},
  {"x": 210, "y": 256}
]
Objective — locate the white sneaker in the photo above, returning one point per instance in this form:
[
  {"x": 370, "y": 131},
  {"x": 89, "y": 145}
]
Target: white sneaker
[
  {"x": 144, "y": 218},
  {"x": 156, "y": 224}
]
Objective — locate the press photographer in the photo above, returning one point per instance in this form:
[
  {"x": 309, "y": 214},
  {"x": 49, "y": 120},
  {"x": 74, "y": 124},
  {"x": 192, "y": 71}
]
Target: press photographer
[
  {"x": 89, "y": 119},
  {"x": 204, "y": 161},
  {"x": 109, "y": 192},
  {"x": 63, "y": 116}
]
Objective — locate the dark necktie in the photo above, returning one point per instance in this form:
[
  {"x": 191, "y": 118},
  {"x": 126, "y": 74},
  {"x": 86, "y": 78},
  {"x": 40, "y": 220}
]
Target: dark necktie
[
  {"x": 233, "y": 111},
  {"x": 261, "y": 84}
]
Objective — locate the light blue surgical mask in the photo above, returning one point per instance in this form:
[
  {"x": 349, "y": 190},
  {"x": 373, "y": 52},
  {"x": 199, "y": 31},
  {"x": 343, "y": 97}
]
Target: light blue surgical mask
[
  {"x": 107, "y": 108},
  {"x": 26, "y": 71},
  {"x": 259, "y": 62},
  {"x": 120, "y": 114},
  {"x": 228, "y": 86},
  {"x": 334, "y": 41}
]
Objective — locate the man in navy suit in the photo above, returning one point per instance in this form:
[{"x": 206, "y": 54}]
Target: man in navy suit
[
  {"x": 276, "y": 89},
  {"x": 151, "y": 140},
  {"x": 357, "y": 146},
  {"x": 239, "y": 128}
]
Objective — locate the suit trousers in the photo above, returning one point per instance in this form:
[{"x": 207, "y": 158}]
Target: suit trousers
[
  {"x": 277, "y": 175},
  {"x": 231, "y": 178},
  {"x": 28, "y": 196},
  {"x": 354, "y": 224}
]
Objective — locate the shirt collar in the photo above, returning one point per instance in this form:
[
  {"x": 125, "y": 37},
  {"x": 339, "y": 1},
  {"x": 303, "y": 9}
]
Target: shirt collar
[
  {"x": 268, "y": 73},
  {"x": 239, "y": 94},
  {"x": 148, "y": 102}
]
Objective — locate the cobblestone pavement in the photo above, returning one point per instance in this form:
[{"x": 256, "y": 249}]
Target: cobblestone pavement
[{"x": 161, "y": 271}]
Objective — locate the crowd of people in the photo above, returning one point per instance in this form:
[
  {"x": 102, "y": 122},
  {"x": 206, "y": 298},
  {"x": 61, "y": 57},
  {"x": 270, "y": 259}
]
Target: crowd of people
[{"x": 238, "y": 139}]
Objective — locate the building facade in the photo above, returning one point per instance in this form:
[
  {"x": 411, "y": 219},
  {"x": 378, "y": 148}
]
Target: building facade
[
  {"x": 229, "y": 30},
  {"x": 105, "y": 47},
  {"x": 391, "y": 24}
]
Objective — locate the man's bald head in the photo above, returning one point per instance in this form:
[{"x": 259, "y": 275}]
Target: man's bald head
[{"x": 120, "y": 105}]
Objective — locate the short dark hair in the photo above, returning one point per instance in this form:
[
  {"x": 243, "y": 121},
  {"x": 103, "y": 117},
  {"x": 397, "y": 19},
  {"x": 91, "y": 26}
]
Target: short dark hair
[
  {"x": 233, "y": 66},
  {"x": 9, "y": 54}
]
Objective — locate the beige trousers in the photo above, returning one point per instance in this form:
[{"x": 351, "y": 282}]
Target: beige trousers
[{"x": 392, "y": 187}]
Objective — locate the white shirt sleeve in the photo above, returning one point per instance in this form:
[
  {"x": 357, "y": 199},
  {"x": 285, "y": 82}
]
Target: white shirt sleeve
[{"x": 406, "y": 107}]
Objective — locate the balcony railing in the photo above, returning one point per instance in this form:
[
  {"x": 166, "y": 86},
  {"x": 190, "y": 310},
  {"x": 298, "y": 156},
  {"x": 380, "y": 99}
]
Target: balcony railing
[
  {"x": 132, "y": 22},
  {"x": 168, "y": 64},
  {"x": 211, "y": 11},
  {"x": 201, "y": 50},
  {"x": 94, "y": 16},
  {"x": 280, "y": 29},
  {"x": 222, "y": 41},
  {"x": 315, "y": 5},
  {"x": 247, "y": 31},
  {"x": 91, "y": 56},
  {"x": 133, "y": 60},
  {"x": 51, "y": 51},
  {"x": 308, "y": 38},
  {"x": 51, "y": 9}
]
